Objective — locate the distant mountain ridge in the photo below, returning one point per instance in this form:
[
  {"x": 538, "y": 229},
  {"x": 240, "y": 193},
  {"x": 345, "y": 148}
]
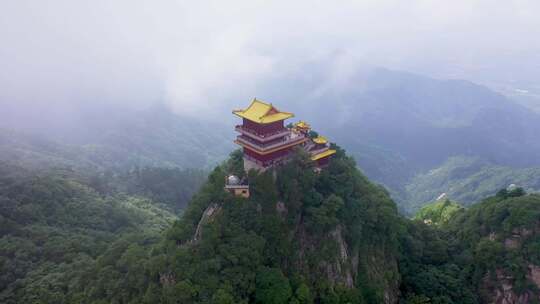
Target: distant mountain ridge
[
  {"x": 153, "y": 137},
  {"x": 398, "y": 126},
  {"x": 468, "y": 180},
  {"x": 401, "y": 125},
  {"x": 428, "y": 120}
]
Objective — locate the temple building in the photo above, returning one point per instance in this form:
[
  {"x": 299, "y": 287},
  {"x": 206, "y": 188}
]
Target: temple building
[
  {"x": 320, "y": 151},
  {"x": 266, "y": 141},
  {"x": 318, "y": 146},
  {"x": 302, "y": 127}
]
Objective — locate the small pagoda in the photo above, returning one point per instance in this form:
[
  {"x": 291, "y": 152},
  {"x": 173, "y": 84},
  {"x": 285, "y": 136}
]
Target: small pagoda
[
  {"x": 266, "y": 141},
  {"x": 320, "y": 151}
]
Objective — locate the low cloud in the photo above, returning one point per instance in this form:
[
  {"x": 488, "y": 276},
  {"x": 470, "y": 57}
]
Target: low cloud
[{"x": 199, "y": 57}]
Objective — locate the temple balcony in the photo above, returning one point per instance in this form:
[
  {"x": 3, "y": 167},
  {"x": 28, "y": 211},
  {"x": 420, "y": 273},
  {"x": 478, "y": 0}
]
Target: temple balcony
[
  {"x": 264, "y": 148},
  {"x": 261, "y": 137}
]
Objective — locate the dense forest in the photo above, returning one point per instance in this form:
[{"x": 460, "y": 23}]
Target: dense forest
[
  {"x": 266, "y": 152},
  {"x": 302, "y": 237},
  {"x": 61, "y": 228},
  {"x": 483, "y": 254},
  {"x": 294, "y": 240}
]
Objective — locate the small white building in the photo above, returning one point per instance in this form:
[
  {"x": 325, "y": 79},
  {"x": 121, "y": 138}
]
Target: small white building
[{"x": 237, "y": 187}]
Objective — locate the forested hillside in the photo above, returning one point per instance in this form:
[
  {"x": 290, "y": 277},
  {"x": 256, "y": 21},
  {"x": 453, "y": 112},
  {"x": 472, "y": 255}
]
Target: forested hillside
[
  {"x": 471, "y": 256},
  {"x": 503, "y": 235},
  {"x": 468, "y": 180},
  {"x": 485, "y": 254},
  {"x": 420, "y": 124},
  {"x": 115, "y": 237},
  {"x": 270, "y": 152},
  {"x": 301, "y": 237},
  {"x": 61, "y": 228},
  {"x": 439, "y": 212}
]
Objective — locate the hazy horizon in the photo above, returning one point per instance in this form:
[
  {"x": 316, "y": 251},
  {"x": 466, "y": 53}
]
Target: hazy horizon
[{"x": 196, "y": 57}]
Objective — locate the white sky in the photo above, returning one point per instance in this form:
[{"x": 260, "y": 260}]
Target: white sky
[{"x": 194, "y": 55}]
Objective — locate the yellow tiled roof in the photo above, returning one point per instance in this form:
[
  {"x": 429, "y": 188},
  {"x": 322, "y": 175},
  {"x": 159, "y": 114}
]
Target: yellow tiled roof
[
  {"x": 302, "y": 124},
  {"x": 262, "y": 112},
  {"x": 323, "y": 155},
  {"x": 320, "y": 140}
]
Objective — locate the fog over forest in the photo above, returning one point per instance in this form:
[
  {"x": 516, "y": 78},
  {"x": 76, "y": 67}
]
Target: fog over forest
[
  {"x": 204, "y": 58},
  {"x": 407, "y": 89},
  {"x": 414, "y": 176}
]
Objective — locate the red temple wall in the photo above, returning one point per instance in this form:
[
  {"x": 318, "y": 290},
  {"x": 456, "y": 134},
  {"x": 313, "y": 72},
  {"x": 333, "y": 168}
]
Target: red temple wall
[
  {"x": 263, "y": 129},
  {"x": 269, "y": 156}
]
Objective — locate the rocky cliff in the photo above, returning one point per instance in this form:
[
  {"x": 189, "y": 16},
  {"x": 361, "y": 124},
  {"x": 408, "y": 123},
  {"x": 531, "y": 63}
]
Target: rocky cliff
[
  {"x": 504, "y": 286},
  {"x": 504, "y": 233},
  {"x": 302, "y": 236}
]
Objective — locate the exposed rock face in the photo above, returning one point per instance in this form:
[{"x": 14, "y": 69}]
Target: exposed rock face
[
  {"x": 505, "y": 292},
  {"x": 344, "y": 268},
  {"x": 343, "y": 265},
  {"x": 517, "y": 237},
  {"x": 383, "y": 263},
  {"x": 534, "y": 274},
  {"x": 501, "y": 286},
  {"x": 208, "y": 215},
  {"x": 340, "y": 271}
]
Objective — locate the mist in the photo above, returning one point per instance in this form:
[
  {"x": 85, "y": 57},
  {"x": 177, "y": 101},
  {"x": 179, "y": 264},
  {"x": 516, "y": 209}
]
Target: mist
[{"x": 203, "y": 58}]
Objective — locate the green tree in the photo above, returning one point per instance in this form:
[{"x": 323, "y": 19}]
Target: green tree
[
  {"x": 302, "y": 295},
  {"x": 325, "y": 216},
  {"x": 417, "y": 299},
  {"x": 222, "y": 297},
  {"x": 272, "y": 287}
]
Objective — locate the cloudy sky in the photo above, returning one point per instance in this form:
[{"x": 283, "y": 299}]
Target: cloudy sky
[{"x": 194, "y": 55}]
